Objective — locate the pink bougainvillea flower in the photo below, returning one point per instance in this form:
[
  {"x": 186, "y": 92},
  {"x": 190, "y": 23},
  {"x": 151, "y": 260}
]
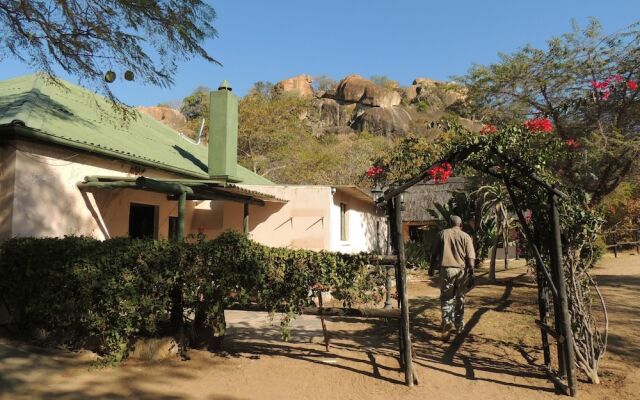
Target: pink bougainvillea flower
[
  {"x": 372, "y": 172},
  {"x": 440, "y": 173},
  {"x": 573, "y": 143},
  {"x": 633, "y": 85},
  {"x": 539, "y": 125},
  {"x": 488, "y": 129},
  {"x": 605, "y": 95},
  {"x": 617, "y": 78}
]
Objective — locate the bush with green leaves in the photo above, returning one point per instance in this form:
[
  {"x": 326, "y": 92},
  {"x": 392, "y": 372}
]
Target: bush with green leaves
[{"x": 81, "y": 290}]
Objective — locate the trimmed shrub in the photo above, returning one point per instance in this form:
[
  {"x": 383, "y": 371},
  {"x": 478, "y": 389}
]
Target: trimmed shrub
[{"x": 79, "y": 289}]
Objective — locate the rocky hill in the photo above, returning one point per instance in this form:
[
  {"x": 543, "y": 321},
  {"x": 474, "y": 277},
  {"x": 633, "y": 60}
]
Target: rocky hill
[
  {"x": 298, "y": 131},
  {"x": 357, "y": 104}
]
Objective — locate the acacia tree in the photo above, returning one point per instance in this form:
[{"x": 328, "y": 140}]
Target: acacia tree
[
  {"x": 587, "y": 84},
  {"x": 195, "y": 109},
  {"x": 89, "y": 38},
  {"x": 271, "y": 132}
]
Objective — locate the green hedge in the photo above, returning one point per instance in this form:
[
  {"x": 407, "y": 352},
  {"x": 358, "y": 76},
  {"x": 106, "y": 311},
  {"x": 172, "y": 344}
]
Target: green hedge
[{"x": 79, "y": 289}]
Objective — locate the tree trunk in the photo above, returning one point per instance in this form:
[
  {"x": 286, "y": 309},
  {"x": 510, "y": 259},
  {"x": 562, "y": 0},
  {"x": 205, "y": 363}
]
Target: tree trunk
[
  {"x": 505, "y": 239},
  {"x": 492, "y": 265}
]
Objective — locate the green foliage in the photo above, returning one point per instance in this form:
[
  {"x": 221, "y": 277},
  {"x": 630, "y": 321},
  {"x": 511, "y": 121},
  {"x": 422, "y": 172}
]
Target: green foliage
[
  {"x": 276, "y": 140},
  {"x": 622, "y": 206},
  {"x": 271, "y": 131},
  {"x": 559, "y": 82},
  {"x": 86, "y": 39},
  {"x": 469, "y": 207},
  {"x": 195, "y": 107},
  {"x": 263, "y": 89},
  {"x": 410, "y": 155},
  {"x": 79, "y": 289},
  {"x": 422, "y": 105}
]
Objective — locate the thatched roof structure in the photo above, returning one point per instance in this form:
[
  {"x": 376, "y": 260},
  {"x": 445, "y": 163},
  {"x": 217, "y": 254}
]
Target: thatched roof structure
[{"x": 422, "y": 196}]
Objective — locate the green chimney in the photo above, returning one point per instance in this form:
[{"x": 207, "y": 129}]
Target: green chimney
[{"x": 223, "y": 133}]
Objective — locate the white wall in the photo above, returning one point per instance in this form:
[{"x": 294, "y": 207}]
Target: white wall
[{"x": 366, "y": 226}]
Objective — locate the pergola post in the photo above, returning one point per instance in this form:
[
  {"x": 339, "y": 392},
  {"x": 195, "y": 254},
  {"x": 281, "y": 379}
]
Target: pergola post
[
  {"x": 182, "y": 201},
  {"x": 543, "y": 281},
  {"x": 245, "y": 219},
  {"x": 401, "y": 285},
  {"x": 563, "y": 320}
]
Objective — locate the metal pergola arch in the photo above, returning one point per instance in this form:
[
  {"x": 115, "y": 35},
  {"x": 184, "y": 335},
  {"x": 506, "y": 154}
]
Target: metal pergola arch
[{"x": 551, "y": 279}]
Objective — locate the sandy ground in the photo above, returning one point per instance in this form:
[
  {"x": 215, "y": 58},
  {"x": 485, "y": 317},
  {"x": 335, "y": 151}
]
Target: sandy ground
[{"x": 496, "y": 357}]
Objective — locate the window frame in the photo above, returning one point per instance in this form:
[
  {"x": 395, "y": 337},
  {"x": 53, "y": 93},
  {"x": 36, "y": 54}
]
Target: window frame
[{"x": 344, "y": 223}]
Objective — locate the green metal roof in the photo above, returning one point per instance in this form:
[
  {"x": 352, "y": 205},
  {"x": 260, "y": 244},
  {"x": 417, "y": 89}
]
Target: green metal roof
[{"x": 75, "y": 117}]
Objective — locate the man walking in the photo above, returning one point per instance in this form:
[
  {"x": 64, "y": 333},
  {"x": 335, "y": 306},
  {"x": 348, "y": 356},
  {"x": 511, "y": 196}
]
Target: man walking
[{"x": 454, "y": 256}]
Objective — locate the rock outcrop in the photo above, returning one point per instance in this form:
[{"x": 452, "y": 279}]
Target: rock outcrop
[
  {"x": 166, "y": 115},
  {"x": 300, "y": 85},
  {"x": 328, "y": 111},
  {"x": 384, "y": 121},
  {"x": 358, "y": 104},
  {"x": 426, "y": 82},
  {"x": 356, "y": 89}
]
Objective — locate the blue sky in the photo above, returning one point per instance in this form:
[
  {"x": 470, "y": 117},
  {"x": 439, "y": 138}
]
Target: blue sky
[{"x": 402, "y": 39}]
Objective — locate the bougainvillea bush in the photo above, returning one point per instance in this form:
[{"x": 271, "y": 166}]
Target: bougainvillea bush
[{"x": 80, "y": 290}]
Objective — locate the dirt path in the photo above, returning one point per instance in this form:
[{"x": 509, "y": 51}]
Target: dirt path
[{"x": 495, "y": 357}]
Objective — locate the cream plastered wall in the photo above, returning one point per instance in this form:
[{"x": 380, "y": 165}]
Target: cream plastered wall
[
  {"x": 301, "y": 223},
  {"x": 42, "y": 199},
  {"x": 47, "y": 202},
  {"x": 7, "y": 174},
  {"x": 311, "y": 220},
  {"x": 366, "y": 227}
]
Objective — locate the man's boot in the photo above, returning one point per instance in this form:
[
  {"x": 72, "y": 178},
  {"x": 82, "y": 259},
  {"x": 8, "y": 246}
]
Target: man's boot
[{"x": 447, "y": 328}]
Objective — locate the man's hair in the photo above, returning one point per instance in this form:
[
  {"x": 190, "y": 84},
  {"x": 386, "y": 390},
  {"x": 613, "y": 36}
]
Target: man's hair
[{"x": 456, "y": 221}]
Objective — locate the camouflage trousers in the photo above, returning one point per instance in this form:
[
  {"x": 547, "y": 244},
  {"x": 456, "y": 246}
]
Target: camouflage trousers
[{"x": 452, "y": 296}]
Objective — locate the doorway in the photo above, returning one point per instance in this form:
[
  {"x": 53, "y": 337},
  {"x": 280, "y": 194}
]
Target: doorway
[{"x": 143, "y": 221}]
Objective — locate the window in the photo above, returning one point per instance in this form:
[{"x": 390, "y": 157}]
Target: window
[
  {"x": 142, "y": 221},
  {"x": 343, "y": 222},
  {"x": 415, "y": 233},
  {"x": 173, "y": 228}
]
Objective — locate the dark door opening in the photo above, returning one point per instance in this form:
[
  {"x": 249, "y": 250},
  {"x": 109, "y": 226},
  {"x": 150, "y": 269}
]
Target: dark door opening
[
  {"x": 173, "y": 228},
  {"x": 142, "y": 221}
]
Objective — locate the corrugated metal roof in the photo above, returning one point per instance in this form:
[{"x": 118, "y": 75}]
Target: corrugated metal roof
[
  {"x": 243, "y": 190},
  {"x": 75, "y": 117}
]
